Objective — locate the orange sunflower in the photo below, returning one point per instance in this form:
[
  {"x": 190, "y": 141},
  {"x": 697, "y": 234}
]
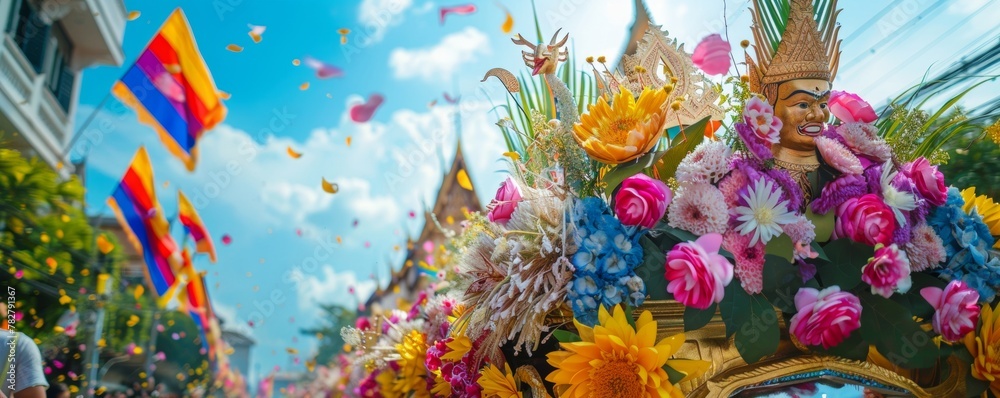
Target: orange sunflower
[
  {"x": 624, "y": 130},
  {"x": 615, "y": 360},
  {"x": 985, "y": 348}
]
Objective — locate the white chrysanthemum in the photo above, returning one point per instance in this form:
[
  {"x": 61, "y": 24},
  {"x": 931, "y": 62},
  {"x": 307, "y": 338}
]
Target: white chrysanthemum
[
  {"x": 863, "y": 139},
  {"x": 896, "y": 199},
  {"x": 709, "y": 162},
  {"x": 763, "y": 215}
]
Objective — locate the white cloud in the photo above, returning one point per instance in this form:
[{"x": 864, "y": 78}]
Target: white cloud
[
  {"x": 377, "y": 16},
  {"x": 329, "y": 287},
  {"x": 441, "y": 61}
]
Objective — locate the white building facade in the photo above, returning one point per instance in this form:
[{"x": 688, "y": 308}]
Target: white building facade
[{"x": 45, "y": 46}]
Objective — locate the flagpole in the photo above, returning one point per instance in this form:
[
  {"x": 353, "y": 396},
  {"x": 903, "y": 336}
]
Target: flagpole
[{"x": 86, "y": 123}]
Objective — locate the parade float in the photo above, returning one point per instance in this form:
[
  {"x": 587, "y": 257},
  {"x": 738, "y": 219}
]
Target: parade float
[{"x": 663, "y": 235}]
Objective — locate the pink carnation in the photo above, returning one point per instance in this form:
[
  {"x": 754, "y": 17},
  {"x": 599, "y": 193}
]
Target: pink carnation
[
  {"x": 862, "y": 138},
  {"x": 641, "y": 200},
  {"x": 888, "y": 271},
  {"x": 801, "y": 230},
  {"x": 955, "y": 309},
  {"x": 699, "y": 209},
  {"x": 749, "y": 260},
  {"x": 838, "y": 156},
  {"x": 825, "y": 317},
  {"x": 850, "y": 108},
  {"x": 505, "y": 202},
  {"x": 929, "y": 181},
  {"x": 865, "y": 220},
  {"x": 696, "y": 273},
  {"x": 925, "y": 249}
]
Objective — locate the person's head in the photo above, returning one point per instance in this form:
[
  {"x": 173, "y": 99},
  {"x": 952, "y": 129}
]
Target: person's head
[
  {"x": 57, "y": 390},
  {"x": 801, "y": 104}
]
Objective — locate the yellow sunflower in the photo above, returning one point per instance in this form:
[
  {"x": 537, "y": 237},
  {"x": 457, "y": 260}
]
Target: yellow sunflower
[
  {"x": 499, "y": 384},
  {"x": 624, "y": 130},
  {"x": 985, "y": 207},
  {"x": 985, "y": 348},
  {"x": 615, "y": 360},
  {"x": 412, "y": 370}
]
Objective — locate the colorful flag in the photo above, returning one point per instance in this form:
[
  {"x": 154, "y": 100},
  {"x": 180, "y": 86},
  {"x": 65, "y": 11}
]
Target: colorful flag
[
  {"x": 172, "y": 90},
  {"x": 194, "y": 299},
  {"x": 141, "y": 216},
  {"x": 188, "y": 216}
]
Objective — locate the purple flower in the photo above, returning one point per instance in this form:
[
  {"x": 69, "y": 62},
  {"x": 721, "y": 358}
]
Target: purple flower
[
  {"x": 790, "y": 189},
  {"x": 839, "y": 191},
  {"x": 757, "y": 146}
]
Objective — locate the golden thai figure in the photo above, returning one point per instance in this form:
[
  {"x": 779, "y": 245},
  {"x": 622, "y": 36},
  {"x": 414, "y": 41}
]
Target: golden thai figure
[{"x": 793, "y": 70}]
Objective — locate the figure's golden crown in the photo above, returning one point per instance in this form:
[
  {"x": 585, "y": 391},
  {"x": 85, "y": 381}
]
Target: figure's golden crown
[{"x": 807, "y": 50}]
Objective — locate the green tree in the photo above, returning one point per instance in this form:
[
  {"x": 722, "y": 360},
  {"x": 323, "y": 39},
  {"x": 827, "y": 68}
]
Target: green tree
[
  {"x": 975, "y": 162},
  {"x": 331, "y": 343}
]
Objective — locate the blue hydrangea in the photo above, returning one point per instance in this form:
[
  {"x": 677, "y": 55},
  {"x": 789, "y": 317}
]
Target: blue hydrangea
[
  {"x": 605, "y": 262},
  {"x": 967, "y": 242}
]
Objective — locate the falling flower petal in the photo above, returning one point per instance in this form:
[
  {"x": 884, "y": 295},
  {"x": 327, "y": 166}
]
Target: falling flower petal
[
  {"x": 508, "y": 22},
  {"x": 348, "y": 140},
  {"x": 457, "y": 10},
  {"x": 293, "y": 154},
  {"x": 432, "y": 103},
  {"x": 292, "y": 351},
  {"x": 58, "y": 365},
  {"x": 330, "y": 187},
  {"x": 304, "y": 86},
  {"x": 712, "y": 55},
  {"x": 343, "y": 35},
  {"x": 339, "y": 240},
  {"x": 138, "y": 292},
  {"x": 132, "y": 321},
  {"x": 450, "y": 99},
  {"x": 413, "y": 214},
  {"x": 513, "y": 155},
  {"x": 175, "y": 336},
  {"x": 354, "y": 223},
  {"x": 224, "y": 95},
  {"x": 133, "y": 15},
  {"x": 256, "y": 32},
  {"x": 296, "y": 62},
  {"x": 323, "y": 70},
  {"x": 298, "y": 231},
  {"x": 226, "y": 239},
  {"x": 19, "y": 274},
  {"x": 48, "y": 370},
  {"x": 363, "y": 112},
  {"x": 159, "y": 328},
  {"x": 463, "y": 180},
  {"x": 234, "y": 48}
]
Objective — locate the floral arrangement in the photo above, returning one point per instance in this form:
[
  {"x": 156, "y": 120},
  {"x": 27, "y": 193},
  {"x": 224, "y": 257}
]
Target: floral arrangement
[{"x": 541, "y": 294}]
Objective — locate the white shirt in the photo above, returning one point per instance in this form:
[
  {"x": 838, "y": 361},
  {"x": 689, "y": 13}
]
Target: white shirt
[{"x": 22, "y": 363}]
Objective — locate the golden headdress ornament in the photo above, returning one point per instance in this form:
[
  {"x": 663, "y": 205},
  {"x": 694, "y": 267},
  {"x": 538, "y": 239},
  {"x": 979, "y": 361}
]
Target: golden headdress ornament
[{"x": 801, "y": 44}]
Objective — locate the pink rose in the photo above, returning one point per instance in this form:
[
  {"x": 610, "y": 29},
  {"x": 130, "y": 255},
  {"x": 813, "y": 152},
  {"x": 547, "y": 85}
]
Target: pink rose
[
  {"x": 955, "y": 309},
  {"x": 641, "y": 200},
  {"x": 711, "y": 55},
  {"x": 759, "y": 115},
  {"x": 850, "y": 108},
  {"x": 929, "y": 181},
  {"x": 866, "y": 220},
  {"x": 887, "y": 271},
  {"x": 504, "y": 203},
  {"x": 825, "y": 317},
  {"x": 697, "y": 274}
]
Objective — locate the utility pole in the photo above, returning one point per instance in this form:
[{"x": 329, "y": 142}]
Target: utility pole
[
  {"x": 103, "y": 295},
  {"x": 151, "y": 348}
]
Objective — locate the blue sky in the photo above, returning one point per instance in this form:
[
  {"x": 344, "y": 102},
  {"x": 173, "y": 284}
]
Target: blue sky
[{"x": 246, "y": 186}]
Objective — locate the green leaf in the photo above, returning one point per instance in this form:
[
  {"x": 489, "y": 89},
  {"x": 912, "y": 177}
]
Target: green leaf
[
  {"x": 824, "y": 224},
  {"x": 854, "y": 347},
  {"x": 695, "y": 319},
  {"x": 778, "y": 272},
  {"x": 693, "y": 135},
  {"x": 975, "y": 387},
  {"x": 895, "y": 334},
  {"x": 565, "y": 336},
  {"x": 846, "y": 260},
  {"x": 781, "y": 246},
  {"x": 673, "y": 375},
  {"x": 652, "y": 270},
  {"x": 820, "y": 251},
  {"x": 615, "y": 176},
  {"x": 752, "y": 320}
]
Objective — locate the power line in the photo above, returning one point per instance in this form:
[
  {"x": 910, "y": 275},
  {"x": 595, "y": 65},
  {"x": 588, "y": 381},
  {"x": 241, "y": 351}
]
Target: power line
[
  {"x": 870, "y": 22},
  {"x": 891, "y": 37}
]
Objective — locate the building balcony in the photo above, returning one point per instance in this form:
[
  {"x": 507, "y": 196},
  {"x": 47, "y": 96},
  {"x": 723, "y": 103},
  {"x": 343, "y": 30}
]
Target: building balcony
[
  {"x": 97, "y": 28},
  {"x": 28, "y": 110}
]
